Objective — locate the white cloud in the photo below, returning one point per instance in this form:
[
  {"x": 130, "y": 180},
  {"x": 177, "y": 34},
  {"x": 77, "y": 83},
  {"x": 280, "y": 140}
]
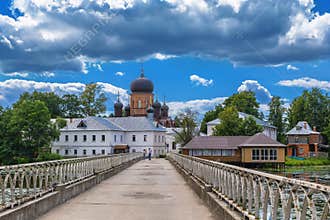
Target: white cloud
[
  {"x": 306, "y": 83},
  {"x": 200, "y": 80},
  {"x": 119, "y": 73},
  {"x": 16, "y": 74},
  {"x": 199, "y": 105},
  {"x": 124, "y": 30},
  {"x": 48, "y": 74},
  {"x": 291, "y": 67},
  {"x": 98, "y": 67},
  {"x": 11, "y": 89},
  {"x": 262, "y": 94}
]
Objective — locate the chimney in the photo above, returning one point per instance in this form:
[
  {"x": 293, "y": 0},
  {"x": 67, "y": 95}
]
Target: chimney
[
  {"x": 305, "y": 125},
  {"x": 314, "y": 128}
]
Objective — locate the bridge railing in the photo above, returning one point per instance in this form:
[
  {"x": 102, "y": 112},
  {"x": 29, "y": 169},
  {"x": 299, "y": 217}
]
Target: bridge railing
[
  {"x": 20, "y": 183},
  {"x": 259, "y": 195}
]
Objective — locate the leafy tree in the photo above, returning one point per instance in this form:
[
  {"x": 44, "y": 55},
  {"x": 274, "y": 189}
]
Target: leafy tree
[
  {"x": 29, "y": 129},
  {"x": 186, "y": 121},
  {"x": 71, "y": 106},
  {"x": 51, "y": 100},
  {"x": 244, "y": 102},
  {"x": 312, "y": 106},
  {"x": 249, "y": 127},
  {"x": 60, "y": 122},
  {"x": 210, "y": 116},
  {"x": 232, "y": 125},
  {"x": 276, "y": 111},
  {"x": 92, "y": 100}
]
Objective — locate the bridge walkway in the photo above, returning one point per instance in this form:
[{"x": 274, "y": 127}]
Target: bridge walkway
[{"x": 148, "y": 190}]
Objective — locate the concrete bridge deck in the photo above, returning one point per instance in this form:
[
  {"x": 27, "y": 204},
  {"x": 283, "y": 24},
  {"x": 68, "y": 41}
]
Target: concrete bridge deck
[{"x": 148, "y": 190}]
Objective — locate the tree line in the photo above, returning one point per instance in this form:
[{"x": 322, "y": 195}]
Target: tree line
[
  {"x": 312, "y": 106},
  {"x": 26, "y": 129}
]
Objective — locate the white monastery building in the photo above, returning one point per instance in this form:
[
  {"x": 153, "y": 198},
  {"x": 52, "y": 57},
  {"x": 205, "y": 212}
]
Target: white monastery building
[{"x": 139, "y": 126}]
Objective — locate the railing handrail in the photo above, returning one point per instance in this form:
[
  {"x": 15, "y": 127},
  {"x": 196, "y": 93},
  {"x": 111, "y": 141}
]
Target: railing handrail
[
  {"x": 303, "y": 183},
  {"x": 20, "y": 183},
  {"x": 259, "y": 195},
  {"x": 49, "y": 162}
]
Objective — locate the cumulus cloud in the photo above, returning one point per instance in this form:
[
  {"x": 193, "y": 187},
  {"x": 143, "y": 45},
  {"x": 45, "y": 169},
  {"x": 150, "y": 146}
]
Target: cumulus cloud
[
  {"x": 199, "y": 105},
  {"x": 16, "y": 74},
  {"x": 262, "y": 94},
  {"x": 10, "y": 90},
  {"x": 200, "y": 80},
  {"x": 291, "y": 67},
  {"x": 306, "y": 83},
  {"x": 62, "y": 35},
  {"x": 119, "y": 73}
]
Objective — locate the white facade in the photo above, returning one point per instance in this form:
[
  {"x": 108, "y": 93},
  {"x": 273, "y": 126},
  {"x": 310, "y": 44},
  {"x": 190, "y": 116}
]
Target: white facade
[
  {"x": 171, "y": 145},
  {"x": 268, "y": 130},
  {"x": 97, "y": 136}
]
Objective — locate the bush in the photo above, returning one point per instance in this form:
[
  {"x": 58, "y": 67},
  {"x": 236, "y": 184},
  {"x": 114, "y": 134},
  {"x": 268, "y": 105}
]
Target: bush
[
  {"x": 48, "y": 156},
  {"x": 162, "y": 156},
  {"x": 307, "y": 162}
]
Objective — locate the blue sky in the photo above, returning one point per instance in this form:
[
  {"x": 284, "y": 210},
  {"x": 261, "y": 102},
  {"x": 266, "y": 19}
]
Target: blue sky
[{"x": 196, "y": 52}]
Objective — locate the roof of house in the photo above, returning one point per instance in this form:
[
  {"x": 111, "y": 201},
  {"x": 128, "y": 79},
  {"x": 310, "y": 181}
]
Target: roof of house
[
  {"x": 231, "y": 142},
  {"x": 136, "y": 124},
  {"x": 260, "y": 139},
  {"x": 244, "y": 115},
  {"x": 91, "y": 123},
  {"x": 115, "y": 124},
  {"x": 302, "y": 128}
]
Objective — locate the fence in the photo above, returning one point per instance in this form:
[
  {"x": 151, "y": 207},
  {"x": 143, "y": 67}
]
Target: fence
[
  {"x": 20, "y": 183},
  {"x": 259, "y": 195}
]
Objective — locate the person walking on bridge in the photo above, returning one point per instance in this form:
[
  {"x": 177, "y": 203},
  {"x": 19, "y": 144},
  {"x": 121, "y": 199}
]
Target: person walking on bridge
[{"x": 149, "y": 153}]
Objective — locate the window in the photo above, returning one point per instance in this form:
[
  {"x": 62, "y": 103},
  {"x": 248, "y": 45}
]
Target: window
[
  {"x": 139, "y": 104},
  {"x": 75, "y": 138},
  {"x": 66, "y": 137},
  {"x": 133, "y": 138},
  {"x": 155, "y": 139},
  {"x": 84, "y": 152},
  {"x": 85, "y": 138},
  {"x": 255, "y": 154},
  {"x": 103, "y": 137},
  {"x": 57, "y": 139},
  {"x": 227, "y": 153},
  {"x": 66, "y": 152},
  {"x": 133, "y": 150},
  {"x": 103, "y": 151},
  {"x": 121, "y": 138},
  {"x": 158, "y": 139},
  {"x": 262, "y": 154},
  {"x": 75, "y": 152},
  {"x": 144, "y": 138},
  {"x": 301, "y": 150},
  {"x": 94, "y": 152},
  {"x": 57, "y": 151},
  {"x": 296, "y": 139},
  {"x": 173, "y": 146},
  {"x": 94, "y": 137},
  {"x": 272, "y": 154},
  {"x": 163, "y": 139},
  {"x": 115, "y": 138}
]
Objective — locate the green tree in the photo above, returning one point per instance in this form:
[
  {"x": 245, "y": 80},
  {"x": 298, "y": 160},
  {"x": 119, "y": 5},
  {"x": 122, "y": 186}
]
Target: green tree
[
  {"x": 30, "y": 129},
  {"x": 51, "y": 100},
  {"x": 187, "y": 122},
  {"x": 210, "y": 116},
  {"x": 232, "y": 125},
  {"x": 312, "y": 106},
  {"x": 249, "y": 127},
  {"x": 93, "y": 100},
  {"x": 276, "y": 111},
  {"x": 71, "y": 106},
  {"x": 244, "y": 102}
]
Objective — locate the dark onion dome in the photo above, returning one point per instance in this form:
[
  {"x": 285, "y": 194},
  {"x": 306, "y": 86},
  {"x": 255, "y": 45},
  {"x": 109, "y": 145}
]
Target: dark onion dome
[
  {"x": 127, "y": 108},
  {"x": 142, "y": 84},
  {"x": 165, "y": 107},
  {"x": 150, "y": 110},
  {"x": 119, "y": 105},
  {"x": 156, "y": 104}
]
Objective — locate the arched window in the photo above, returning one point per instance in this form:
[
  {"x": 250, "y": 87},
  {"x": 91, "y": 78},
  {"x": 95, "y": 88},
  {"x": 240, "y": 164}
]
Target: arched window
[{"x": 139, "y": 104}]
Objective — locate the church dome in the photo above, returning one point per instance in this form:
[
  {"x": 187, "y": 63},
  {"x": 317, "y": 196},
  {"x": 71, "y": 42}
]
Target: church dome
[
  {"x": 127, "y": 108},
  {"x": 150, "y": 110},
  {"x": 119, "y": 105},
  {"x": 142, "y": 84},
  {"x": 165, "y": 107},
  {"x": 156, "y": 104}
]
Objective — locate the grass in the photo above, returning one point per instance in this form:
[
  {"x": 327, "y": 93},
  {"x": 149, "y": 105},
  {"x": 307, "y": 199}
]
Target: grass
[{"x": 307, "y": 162}]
